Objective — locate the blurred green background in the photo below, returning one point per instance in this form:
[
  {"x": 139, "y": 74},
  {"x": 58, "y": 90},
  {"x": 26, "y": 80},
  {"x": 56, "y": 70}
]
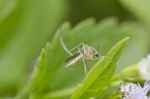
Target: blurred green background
[{"x": 27, "y": 25}]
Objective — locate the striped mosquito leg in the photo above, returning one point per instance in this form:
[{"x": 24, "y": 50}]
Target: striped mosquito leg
[
  {"x": 65, "y": 47},
  {"x": 73, "y": 61},
  {"x": 77, "y": 46},
  {"x": 85, "y": 67}
]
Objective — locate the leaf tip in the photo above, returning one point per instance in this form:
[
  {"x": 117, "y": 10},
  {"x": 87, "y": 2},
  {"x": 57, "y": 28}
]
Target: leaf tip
[
  {"x": 127, "y": 38},
  {"x": 43, "y": 52},
  {"x": 124, "y": 41}
]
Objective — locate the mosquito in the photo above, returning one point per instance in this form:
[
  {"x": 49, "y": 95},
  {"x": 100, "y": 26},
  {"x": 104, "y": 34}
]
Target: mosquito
[{"x": 84, "y": 52}]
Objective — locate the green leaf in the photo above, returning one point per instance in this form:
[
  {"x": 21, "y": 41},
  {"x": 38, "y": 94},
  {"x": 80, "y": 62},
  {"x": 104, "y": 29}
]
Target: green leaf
[
  {"x": 33, "y": 84},
  {"x": 103, "y": 34},
  {"x": 100, "y": 75},
  {"x": 87, "y": 32},
  {"x": 61, "y": 94},
  {"x": 45, "y": 68}
]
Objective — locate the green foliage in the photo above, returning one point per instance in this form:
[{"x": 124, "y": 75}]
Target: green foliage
[
  {"x": 45, "y": 82},
  {"x": 100, "y": 75},
  {"x": 46, "y": 69},
  {"x": 94, "y": 83},
  {"x": 23, "y": 33},
  {"x": 27, "y": 25}
]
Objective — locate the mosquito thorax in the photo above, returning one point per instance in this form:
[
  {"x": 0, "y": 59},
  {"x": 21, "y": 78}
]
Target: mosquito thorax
[{"x": 89, "y": 52}]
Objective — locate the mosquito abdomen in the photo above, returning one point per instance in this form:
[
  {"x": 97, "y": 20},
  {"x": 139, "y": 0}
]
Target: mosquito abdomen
[{"x": 74, "y": 60}]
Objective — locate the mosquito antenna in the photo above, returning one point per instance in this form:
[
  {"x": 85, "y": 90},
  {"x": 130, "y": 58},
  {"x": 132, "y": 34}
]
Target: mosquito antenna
[
  {"x": 63, "y": 44},
  {"x": 100, "y": 49}
]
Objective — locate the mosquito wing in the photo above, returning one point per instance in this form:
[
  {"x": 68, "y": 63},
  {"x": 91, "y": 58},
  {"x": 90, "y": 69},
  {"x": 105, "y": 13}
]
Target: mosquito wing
[{"x": 73, "y": 59}]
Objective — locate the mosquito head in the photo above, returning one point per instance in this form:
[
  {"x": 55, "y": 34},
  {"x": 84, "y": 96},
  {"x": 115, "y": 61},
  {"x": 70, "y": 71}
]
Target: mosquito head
[
  {"x": 97, "y": 55},
  {"x": 95, "y": 52}
]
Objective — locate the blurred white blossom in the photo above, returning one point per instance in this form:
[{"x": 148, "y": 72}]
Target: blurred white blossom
[
  {"x": 135, "y": 91},
  {"x": 144, "y": 68}
]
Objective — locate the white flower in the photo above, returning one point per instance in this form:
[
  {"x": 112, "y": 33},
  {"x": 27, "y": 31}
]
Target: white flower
[
  {"x": 144, "y": 68},
  {"x": 148, "y": 57},
  {"x": 135, "y": 91}
]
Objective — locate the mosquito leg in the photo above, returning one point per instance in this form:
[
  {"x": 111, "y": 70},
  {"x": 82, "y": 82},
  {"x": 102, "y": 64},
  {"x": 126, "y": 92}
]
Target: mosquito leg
[
  {"x": 85, "y": 67},
  {"x": 76, "y": 47},
  {"x": 65, "y": 47}
]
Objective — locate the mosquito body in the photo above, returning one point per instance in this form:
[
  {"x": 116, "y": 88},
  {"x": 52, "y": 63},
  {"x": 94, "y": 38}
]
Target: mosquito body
[{"x": 85, "y": 52}]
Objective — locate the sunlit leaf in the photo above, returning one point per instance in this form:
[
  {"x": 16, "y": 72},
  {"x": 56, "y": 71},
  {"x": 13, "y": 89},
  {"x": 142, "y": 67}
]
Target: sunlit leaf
[{"x": 100, "y": 75}]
